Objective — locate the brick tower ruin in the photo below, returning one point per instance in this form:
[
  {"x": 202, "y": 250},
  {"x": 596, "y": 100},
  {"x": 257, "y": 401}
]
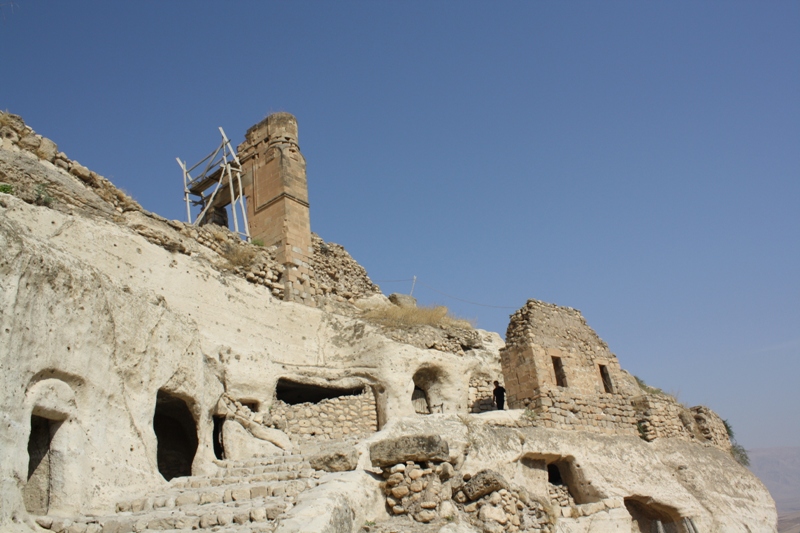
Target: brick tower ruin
[{"x": 277, "y": 197}]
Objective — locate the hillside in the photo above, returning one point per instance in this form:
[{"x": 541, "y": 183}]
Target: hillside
[
  {"x": 779, "y": 470},
  {"x": 155, "y": 377}
]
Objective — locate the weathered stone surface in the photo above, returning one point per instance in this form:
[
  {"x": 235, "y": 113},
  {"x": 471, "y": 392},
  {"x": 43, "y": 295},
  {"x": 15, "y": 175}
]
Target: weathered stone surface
[
  {"x": 483, "y": 483},
  {"x": 409, "y": 448},
  {"x": 339, "y": 460},
  {"x": 402, "y": 300},
  {"x": 47, "y": 149},
  {"x": 98, "y": 314}
]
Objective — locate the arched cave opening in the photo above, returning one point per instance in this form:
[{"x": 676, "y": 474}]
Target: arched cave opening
[
  {"x": 41, "y": 464},
  {"x": 649, "y": 517},
  {"x": 426, "y": 396},
  {"x": 176, "y": 432},
  {"x": 293, "y": 393}
]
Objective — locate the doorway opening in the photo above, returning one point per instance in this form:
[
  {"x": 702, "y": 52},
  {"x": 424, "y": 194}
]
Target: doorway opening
[
  {"x": 36, "y": 493},
  {"x": 176, "y": 433}
]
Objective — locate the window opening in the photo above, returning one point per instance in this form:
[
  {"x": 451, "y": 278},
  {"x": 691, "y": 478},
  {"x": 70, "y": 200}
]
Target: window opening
[
  {"x": 295, "y": 393},
  {"x": 607, "y": 384},
  {"x": 36, "y": 493},
  {"x": 176, "y": 433},
  {"x": 561, "y": 376}
]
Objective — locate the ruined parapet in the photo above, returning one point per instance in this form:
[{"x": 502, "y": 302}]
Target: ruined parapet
[
  {"x": 16, "y": 136},
  {"x": 559, "y": 369},
  {"x": 337, "y": 274},
  {"x": 277, "y": 193}
]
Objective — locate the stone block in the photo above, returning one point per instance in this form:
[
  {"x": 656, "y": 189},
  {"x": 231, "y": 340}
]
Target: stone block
[
  {"x": 415, "y": 448},
  {"x": 339, "y": 460},
  {"x": 402, "y": 300},
  {"x": 483, "y": 483}
]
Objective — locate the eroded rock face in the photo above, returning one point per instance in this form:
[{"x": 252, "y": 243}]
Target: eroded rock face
[{"x": 129, "y": 342}]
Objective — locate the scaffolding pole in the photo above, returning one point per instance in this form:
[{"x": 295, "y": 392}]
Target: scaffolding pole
[{"x": 222, "y": 169}]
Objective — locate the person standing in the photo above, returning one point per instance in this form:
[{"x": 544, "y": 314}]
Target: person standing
[{"x": 499, "y": 395}]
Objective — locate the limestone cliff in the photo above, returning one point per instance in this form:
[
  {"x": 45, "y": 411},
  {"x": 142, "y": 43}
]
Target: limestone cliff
[{"x": 154, "y": 379}]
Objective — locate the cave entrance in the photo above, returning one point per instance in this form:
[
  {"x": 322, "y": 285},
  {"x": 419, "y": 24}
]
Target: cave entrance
[
  {"x": 294, "y": 393},
  {"x": 41, "y": 464},
  {"x": 648, "y": 517},
  {"x": 176, "y": 433}
]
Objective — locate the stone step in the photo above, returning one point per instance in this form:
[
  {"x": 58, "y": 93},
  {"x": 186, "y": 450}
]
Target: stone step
[
  {"x": 260, "y": 461},
  {"x": 202, "y": 481},
  {"x": 221, "y": 494},
  {"x": 226, "y": 515}
]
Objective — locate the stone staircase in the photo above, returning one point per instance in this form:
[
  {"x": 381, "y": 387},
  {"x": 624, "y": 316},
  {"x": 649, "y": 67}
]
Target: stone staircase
[{"x": 242, "y": 497}]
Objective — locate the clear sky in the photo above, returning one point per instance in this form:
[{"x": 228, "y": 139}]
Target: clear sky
[{"x": 639, "y": 161}]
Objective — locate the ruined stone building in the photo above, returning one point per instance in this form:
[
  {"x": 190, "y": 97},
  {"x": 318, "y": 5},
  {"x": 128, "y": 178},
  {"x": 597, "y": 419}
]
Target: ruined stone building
[{"x": 163, "y": 376}]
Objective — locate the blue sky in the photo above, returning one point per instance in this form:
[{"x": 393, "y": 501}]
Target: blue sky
[{"x": 639, "y": 161}]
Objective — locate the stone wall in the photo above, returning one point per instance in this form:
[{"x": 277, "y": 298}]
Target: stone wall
[
  {"x": 338, "y": 274},
  {"x": 15, "y": 135},
  {"x": 559, "y": 369},
  {"x": 541, "y": 333},
  {"x": 334, "y": 418},
  {"x": 611, "y": 414},
  {"x": 711, "y": 426},
  {"x": 481, "y": 394}
]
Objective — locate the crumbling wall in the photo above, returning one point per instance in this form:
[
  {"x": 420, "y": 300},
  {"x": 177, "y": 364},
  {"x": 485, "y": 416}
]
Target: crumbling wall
[
  {"x": 660, "y": 417},
  {"x": 337, "y": 274},
  {"x": 333, "y": 418},
  {"x": 16, "y": 136},
  {"x": 711, "y": 426}
]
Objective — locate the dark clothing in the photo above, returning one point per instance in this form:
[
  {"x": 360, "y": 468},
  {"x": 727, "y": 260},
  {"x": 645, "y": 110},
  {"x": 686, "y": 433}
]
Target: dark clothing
[{"x": 499, "y": 394}]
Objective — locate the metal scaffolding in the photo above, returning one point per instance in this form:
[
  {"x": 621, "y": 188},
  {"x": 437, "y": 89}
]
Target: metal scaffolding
[{"x": 223, "y": 172}]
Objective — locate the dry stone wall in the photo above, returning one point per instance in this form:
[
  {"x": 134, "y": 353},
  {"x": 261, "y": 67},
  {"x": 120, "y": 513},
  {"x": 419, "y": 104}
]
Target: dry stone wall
[
  {"x": 333, "y": 418},
  {"x": 711, "y": 426},
  {"x": 16, "y": 136},
  {"x": 337, "y": 273},
  {"x": 481, "y": 394}
]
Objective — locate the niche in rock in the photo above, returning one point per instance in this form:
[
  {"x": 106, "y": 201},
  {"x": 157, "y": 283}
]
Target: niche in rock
[
  {"x": 566, "y": 481},
  {"x": 41, "y": 464},
  {"x": 176, "y": 433},
  {"x": 651, "y": 517},
  {"x": 294, "y": 393},
  {"x": 427, "y": 395},
  {"x": 219, "y": 446}
]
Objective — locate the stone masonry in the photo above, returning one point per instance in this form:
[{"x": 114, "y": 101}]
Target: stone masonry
[
  {"x": 277, "y": 197},
  {"x": 562, "y": 372},
  {"x": 334, "y": 418}
]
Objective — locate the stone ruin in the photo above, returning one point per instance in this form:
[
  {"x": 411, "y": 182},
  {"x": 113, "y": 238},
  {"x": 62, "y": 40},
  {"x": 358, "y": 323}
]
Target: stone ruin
[{"x": 161, "y": 376}]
